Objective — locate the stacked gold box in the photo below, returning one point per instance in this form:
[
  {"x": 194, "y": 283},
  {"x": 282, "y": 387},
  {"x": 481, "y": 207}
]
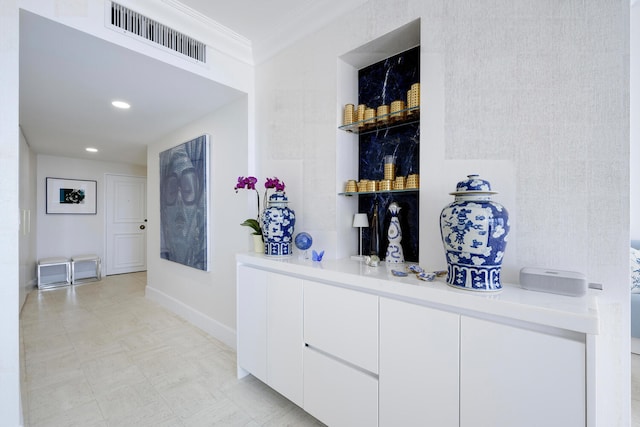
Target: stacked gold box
[
  {"x": 397, "y": 110},
  {"x": 396, "y": 183},
  {"x": 389, "y": 167},
  {"x": 351, "y": 186},
  {"x": 413, "y": 181},
  {"x": 367, "y": 117},
  {"x": 413, "y": 96},
  {"x": 399, "y": 183},
  {"x": 360, "y": 114},
  {"x": 349, "y": 114},
  {"x": 390, "y": 171},
  {"x": 382, "y": 114}
]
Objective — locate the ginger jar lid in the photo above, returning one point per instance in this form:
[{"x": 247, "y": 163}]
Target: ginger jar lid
[
  {"x": 278, "y": 197},
  {"x": 473, "y": 185}
]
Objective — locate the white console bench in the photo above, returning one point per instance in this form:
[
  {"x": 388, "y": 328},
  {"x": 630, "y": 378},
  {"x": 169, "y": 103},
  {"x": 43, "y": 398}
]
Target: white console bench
[
  {"x": 53, "y": 272},
  {"x": 93, "y": 266},
  {"x": 354, "y": 345}
]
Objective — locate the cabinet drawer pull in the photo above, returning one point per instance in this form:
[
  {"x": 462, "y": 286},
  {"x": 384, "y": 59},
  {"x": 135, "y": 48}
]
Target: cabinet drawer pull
[{"x": 342, "y": 361}]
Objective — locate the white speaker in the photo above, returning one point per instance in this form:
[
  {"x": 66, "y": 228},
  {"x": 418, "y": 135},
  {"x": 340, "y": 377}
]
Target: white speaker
[{"x": 553, "y": 281}]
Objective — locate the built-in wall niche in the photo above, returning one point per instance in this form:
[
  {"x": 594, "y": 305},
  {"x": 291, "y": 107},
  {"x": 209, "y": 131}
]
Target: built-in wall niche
[
  {"x": 380, "y": 84},
  {"x": 377, "y": 74}
]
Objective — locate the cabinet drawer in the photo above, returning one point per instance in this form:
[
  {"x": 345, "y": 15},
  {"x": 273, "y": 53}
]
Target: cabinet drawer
[
  {"x": 338, "y": 394},
  {"x": 343, "y": 323}
]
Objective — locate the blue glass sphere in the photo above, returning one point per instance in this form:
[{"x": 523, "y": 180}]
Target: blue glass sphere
[{"x": 303, "y": 241}]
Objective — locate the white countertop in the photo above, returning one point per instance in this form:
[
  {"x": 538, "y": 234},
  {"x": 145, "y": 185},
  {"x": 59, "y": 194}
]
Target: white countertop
[{"x": 579, "y": 314}]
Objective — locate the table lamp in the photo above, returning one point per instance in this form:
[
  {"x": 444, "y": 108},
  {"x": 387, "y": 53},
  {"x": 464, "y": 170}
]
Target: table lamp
[{"x": 360, "y": 220}]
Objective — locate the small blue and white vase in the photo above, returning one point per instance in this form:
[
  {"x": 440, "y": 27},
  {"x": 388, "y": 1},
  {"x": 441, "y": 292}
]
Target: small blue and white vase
[
  {"x": 394, "y": 250},
  {"x": 474, "y": 232},
  {"x": 277, "y": 226}
]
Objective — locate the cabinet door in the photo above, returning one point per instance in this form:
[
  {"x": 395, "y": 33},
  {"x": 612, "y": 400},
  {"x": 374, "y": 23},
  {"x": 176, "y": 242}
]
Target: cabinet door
[
  {"x": 284, "y": 336},
  {"x": 511, "y": 376},
  {"x": 419, "y": 350},
  {"x": 338, "y": 394},
  {"x": 343, "y": 323},
  {"x": 251, "y": 333}
]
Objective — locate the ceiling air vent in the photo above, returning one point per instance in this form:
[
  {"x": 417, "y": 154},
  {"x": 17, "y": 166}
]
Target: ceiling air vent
[{"x": 155, "y": 32}]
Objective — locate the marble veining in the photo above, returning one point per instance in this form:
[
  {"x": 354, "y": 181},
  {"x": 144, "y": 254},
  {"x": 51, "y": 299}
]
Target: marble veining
[
  {"x": 408, "y": 218},
  {"x": 378, "y": 84},
  {"x": 390, "y": 79}
]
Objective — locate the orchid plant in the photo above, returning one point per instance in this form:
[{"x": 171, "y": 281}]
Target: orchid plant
[{"x": 249, "y": 183}]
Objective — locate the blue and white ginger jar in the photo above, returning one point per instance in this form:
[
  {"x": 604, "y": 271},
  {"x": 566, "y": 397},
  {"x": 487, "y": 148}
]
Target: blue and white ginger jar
[
  {"x": 474, "y": 234},
  {"x": 277, "y": 226}
]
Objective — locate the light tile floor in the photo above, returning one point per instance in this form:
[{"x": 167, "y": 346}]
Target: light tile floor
[
  {"x": 100, "y": 354},
  {"x": 635, "y": 390}
]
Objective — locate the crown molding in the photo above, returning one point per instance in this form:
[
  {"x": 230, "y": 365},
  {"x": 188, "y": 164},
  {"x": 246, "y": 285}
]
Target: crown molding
[
  {"x": 214, "y": 25},
  {"x": 243, "y": 46}
]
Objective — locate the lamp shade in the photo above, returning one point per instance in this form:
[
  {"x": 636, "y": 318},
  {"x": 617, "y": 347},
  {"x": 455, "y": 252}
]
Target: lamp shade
[{"x": 360, "y": 220}]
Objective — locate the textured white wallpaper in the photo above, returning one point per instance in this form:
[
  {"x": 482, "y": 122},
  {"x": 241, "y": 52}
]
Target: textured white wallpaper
[
  {"x": 542, "y": 86},
  {"x": 634, "y": 124}
]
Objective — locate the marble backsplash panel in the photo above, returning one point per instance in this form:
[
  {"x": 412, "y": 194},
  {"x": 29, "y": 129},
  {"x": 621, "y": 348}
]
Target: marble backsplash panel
[{"x": 380, "y": 84}]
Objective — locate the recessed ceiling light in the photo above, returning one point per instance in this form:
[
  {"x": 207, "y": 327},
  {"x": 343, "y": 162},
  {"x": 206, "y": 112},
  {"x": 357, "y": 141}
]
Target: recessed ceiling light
[
  {"x": 91, "y": 149},
  {"x": 121, "y": 104}
]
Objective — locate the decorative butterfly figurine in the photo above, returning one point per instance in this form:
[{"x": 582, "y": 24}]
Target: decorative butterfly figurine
[{"x": 317, "y": 256}]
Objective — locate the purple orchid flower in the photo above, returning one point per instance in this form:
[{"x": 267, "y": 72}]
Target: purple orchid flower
[
  {"x": 249, "y": 183},
  {"x": 274, "y": 183}
]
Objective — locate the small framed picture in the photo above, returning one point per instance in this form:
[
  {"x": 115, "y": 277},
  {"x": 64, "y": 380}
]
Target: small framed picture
[{"x": 71, "y": 196}]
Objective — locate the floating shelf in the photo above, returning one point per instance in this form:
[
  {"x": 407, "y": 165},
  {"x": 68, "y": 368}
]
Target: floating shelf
[
  {"x": 358, "y": 193},
  {"x": 383, "y": 122}
]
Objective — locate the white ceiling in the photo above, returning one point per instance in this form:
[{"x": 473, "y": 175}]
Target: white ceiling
[
  {"x": 250, "y": 18},
  {"x": 272, "y": 24},
  {"x": 68, "y": 78}
]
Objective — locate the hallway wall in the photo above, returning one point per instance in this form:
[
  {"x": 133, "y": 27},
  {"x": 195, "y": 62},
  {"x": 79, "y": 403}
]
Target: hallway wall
[
  {"x": 28, "y": 221},
  {"x": 68, "y": 235},
  {"x": 205, "y": 298}
]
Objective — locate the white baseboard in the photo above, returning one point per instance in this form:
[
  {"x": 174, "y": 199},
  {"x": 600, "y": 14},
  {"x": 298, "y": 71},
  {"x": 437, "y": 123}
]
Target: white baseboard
[
  {"x": 198, "y": 319},
  {"x": 635, "y": 345}
]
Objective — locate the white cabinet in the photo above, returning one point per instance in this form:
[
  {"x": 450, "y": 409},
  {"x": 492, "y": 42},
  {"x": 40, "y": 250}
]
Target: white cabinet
[
  {"x": 419, "y": 348},
  {"x": 361, "y": 355},
  {"x": 512, "y": 376},
  {"x": 343, "y": 323},
  {"x": 270, "y": 345},
  {"x": 252, "y": 321}
]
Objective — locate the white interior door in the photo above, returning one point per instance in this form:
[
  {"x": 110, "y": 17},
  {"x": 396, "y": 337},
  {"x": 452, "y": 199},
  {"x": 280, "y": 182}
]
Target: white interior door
[{"x": 126, "y": 224}]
